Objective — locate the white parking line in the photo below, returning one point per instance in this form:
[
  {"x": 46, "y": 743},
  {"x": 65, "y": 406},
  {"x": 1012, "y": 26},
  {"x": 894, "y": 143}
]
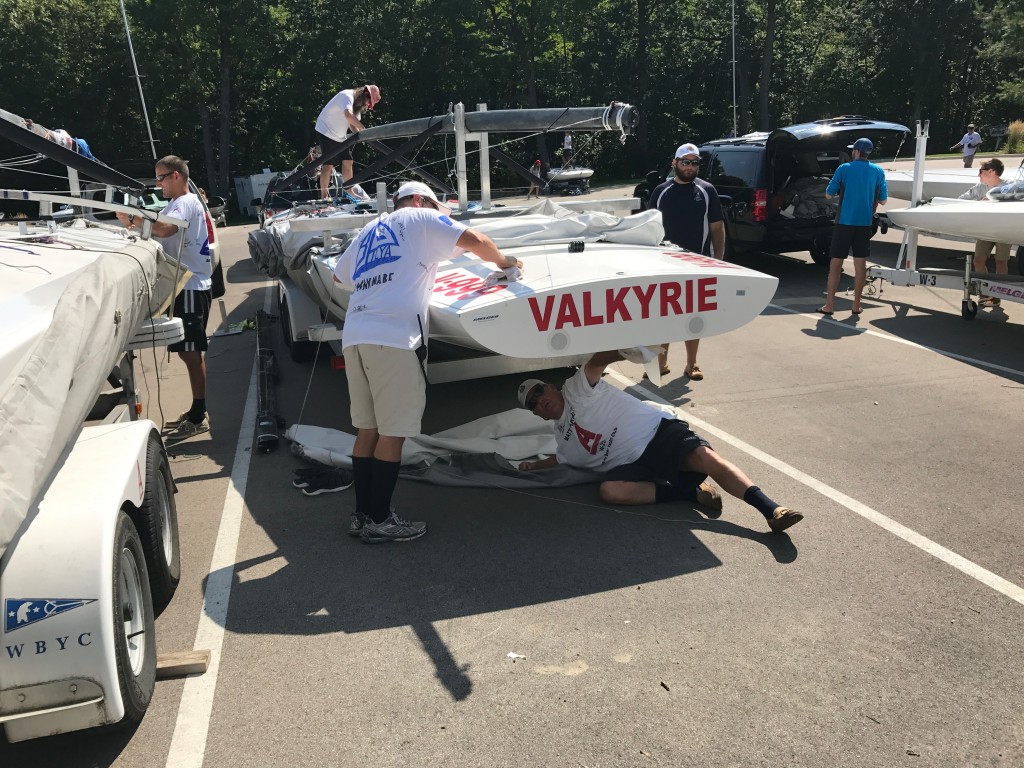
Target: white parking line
[
  {"x": 898, "y": 340},
  {"x": 188, "y": 744},
  {"x": 975, "y": 571}
]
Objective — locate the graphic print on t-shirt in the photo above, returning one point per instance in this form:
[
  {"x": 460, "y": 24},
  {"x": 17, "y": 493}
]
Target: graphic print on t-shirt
[
  {"x": 375, "y": 249},
  {"x": 589, "y": 440}
]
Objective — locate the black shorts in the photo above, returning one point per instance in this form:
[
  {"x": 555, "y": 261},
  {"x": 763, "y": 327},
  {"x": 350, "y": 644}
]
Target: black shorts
[
  {"x": 329, "y": 145},
  {"x": 193, "y": 307},
  {"x": 663, "y": 457},
  {"x": 845, "y": 237}
]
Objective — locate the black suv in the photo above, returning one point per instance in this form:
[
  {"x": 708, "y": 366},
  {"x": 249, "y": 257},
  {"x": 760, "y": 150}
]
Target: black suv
[{"x": 776, "y": 181}]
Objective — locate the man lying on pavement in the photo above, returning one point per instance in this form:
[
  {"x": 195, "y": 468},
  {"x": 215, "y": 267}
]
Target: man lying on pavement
[{"x": 649, "y": 455}]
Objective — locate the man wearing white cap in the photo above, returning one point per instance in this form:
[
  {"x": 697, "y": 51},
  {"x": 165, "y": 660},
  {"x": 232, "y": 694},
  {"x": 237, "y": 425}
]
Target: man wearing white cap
[
  {"x": 648, "y": 456},
  {"x": 692, "y": 215},
  {"x": 970, "y": 143},
  {"x": 341, "y": 116},
  {"x": 389, "y": 268}
]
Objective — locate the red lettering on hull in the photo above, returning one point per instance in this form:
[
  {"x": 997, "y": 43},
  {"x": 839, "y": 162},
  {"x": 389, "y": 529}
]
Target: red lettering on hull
[{"x": 620, "y": 304}]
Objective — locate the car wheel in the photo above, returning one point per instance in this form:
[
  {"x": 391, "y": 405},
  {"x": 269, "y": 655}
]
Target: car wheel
[
  {"x": 157, "y": 524},
  {"x": 134, "y": 630},
  {"x": 820, "y": 250}
]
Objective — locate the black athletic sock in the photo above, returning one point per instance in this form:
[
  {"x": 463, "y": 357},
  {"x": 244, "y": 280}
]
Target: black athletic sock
[
  {"x": 362, "y": 476},
  {"x": 197, "y": 411},
  {"x": 663, "y": 493},
  {"x": 385, "y": 478},
  {"x": 755, "y": 497}
]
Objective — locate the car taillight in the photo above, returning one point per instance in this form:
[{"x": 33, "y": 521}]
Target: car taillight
[
  {"x": 760, "y": 205},
  {"x": 209, "y": 228}
]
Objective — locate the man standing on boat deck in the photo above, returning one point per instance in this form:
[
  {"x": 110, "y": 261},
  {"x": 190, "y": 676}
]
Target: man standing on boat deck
[
  {"x": 192, "y": 305},
  {"x": 389, "y": 268},
  {"x": 692, "y": 215},
  {"x": 861, "y": 188},
  {"x": 341, "y": 116},
  {"x": 649, "y": 456}
]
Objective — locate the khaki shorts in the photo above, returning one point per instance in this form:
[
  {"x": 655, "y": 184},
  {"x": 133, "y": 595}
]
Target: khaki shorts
[
  {"x": 386, "y": 388},
  {"x": 984, "y": 248}
]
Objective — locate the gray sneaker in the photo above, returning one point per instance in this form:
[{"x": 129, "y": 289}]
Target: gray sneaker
[
  {"x": 709, "y": 498},
  {"x": 782, "y": 518},
  {"x": 356, "y": 523},
  {"x": 187, "y": 429},
  {"x": 392, "y": 529}
]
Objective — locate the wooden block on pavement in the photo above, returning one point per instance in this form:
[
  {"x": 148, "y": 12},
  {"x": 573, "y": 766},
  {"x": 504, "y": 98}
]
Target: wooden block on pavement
[{"x": 182, "y": 663}]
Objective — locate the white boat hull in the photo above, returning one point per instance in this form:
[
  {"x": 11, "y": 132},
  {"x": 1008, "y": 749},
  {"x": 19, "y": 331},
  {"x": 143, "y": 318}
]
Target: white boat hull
[
  {"x": 570, "y": 174},
  {"x": 1001, "y": 222},
  {"x": 949, "y": 182},
  {"x": 609, "y": 295}
]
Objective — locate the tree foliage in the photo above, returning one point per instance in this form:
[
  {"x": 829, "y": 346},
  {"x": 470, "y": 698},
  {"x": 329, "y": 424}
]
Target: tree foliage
[{"x": 236, "y": 85}]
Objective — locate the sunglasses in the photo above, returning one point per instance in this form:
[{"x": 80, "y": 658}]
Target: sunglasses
[
  {"x": 531, "y": 401},
  {"x": 163, "y": 176},
  {"x": 687, "y": 162}
]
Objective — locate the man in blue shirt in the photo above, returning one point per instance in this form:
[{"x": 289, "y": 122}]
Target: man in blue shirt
[{"x": 860, "y": 187}]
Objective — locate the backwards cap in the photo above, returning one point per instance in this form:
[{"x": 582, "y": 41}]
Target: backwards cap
[
  {"x": 421, "y": 189},
  {"x": 374, "y": 93},
  {"x": 526, "y": 388}
]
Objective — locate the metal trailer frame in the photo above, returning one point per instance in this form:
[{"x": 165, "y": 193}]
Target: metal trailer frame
[{"x": 906, "y": 273}]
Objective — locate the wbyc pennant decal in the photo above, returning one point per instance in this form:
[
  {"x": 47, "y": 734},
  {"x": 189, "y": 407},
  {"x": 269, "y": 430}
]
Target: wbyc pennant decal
[{"x": 22, "y": 612}]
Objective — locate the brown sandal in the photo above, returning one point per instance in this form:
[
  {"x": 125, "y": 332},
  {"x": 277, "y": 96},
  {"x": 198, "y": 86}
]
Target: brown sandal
[{"x": 694, "y": 373}]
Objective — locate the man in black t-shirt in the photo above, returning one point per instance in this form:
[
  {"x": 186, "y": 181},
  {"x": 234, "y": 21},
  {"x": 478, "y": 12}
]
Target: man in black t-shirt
[{"x": 692, "y": 215}]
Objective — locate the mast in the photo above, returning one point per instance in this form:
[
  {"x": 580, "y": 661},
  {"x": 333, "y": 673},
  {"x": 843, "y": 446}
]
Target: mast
[{"x": 138, "y": 80}]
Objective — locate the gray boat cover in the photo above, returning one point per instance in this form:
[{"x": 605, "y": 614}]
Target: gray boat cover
[
  {"x": 52, "y": 380},
  {"x": 481, "y": 453}
]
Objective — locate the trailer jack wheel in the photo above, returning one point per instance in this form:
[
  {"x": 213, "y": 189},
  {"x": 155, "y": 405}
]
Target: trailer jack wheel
[{"x": 968, "y": 309}]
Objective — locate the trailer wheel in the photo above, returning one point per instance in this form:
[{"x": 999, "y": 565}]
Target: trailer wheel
[
  {"x": 134, "y": 630},
  {"x": 300, "y": 351},
  {"x": 157, "y": 524},
  {"x": 968, "y": 309}
]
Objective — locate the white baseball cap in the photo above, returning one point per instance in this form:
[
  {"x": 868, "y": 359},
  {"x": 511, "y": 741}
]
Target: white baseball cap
[
  {"x": 687, "y": 149},
  {"x": 421, "y": 189},
  {"x": 526, "y": 388}
]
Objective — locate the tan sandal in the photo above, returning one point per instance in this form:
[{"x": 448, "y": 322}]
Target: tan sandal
[{"x": 693, "y": 372}]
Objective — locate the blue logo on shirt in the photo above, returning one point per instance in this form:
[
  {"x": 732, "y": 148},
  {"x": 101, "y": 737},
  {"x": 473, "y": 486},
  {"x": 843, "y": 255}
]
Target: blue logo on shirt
[{"x": 375, "y": 249}]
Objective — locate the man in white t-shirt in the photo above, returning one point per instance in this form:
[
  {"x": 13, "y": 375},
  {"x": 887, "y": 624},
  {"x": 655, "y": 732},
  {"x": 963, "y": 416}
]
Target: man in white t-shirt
[
  {"x": 390, "y": 268},
  {"x": 192, "y": 305},
  {"x": 567, "y": 150},
  {"x": 648, "y": 455},
  {"x": 342, "y": 115},
  {"x": 970, "y": 143}
]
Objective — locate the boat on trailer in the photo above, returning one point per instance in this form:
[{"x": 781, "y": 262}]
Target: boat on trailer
[
  {"x": 594, "y": 278},
  {"x": 88, "y": 527}
]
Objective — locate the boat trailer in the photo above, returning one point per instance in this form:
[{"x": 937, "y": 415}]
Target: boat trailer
[{"x": 973, "y": 284}]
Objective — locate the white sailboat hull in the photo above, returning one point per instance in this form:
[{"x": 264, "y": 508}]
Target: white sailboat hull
[
  {"x": 949, "y": 182},
  {"x": 600, "y": 295},
  {"x": 1001, "y": 222},
  {"x": 570, "y": 174}
]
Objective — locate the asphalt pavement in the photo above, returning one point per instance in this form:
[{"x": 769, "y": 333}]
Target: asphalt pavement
[{"x": 547, "y": 629}]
